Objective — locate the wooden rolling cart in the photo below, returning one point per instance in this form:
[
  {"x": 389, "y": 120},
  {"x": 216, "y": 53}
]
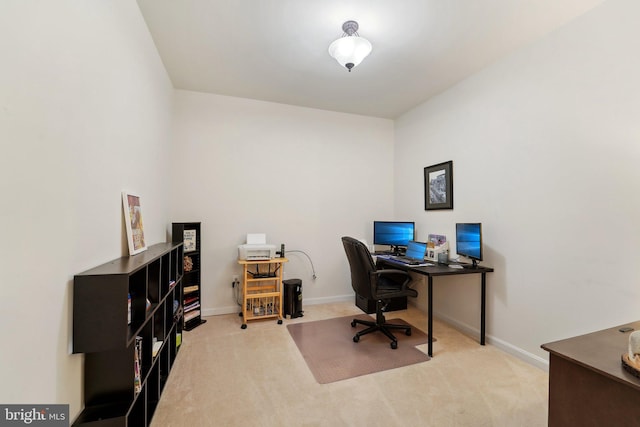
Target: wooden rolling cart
[{"x": 262, "y": 289}]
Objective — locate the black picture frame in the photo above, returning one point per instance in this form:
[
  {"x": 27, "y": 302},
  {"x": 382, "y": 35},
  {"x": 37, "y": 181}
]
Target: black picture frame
[{"x": 438, "y": 186}]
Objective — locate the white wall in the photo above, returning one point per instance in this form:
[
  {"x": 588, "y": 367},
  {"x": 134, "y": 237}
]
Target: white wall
[
  {"x": 304, "y": 177},
  {"x": 545, "y": 147},
  {"x": 85, "y": 108}
]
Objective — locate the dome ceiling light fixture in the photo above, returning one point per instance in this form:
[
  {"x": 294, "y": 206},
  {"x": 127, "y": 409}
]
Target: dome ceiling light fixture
[{"x": 350, "y": 49}]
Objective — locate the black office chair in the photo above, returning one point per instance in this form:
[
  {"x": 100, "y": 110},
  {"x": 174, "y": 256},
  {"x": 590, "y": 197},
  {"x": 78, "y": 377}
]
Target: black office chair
[{"x": 378, "y": 285}]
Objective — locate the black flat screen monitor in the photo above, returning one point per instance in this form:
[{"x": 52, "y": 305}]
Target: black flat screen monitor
[
  {"x": 393, "y": 233},
  {"x": 469, "y": 241}
]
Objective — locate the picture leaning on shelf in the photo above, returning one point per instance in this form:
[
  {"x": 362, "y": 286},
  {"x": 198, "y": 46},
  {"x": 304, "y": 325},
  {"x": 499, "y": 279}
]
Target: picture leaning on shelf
[{"x": 190, "y": 243}]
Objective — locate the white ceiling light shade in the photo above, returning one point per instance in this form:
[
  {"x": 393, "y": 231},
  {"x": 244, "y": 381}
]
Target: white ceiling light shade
[{"x": 350, "y": 49}]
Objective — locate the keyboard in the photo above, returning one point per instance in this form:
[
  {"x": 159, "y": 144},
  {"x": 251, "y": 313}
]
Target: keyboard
[{"x": 406, "y": 260}]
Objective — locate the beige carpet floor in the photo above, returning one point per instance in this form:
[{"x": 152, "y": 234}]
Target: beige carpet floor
[
  {"x": 328, "y": 349},
  {"x": 226, "y": 376}
]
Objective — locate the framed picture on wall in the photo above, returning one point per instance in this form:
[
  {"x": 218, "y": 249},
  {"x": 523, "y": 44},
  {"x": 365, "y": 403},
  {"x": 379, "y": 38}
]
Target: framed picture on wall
[
  {"x": 438, "y": 186},
  {"x": 133, "y": 223}
]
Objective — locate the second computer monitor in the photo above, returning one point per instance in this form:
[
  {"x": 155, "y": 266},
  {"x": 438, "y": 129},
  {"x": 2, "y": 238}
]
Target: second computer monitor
[
  {"x": 393, "y": 233},
  {"x": 469, "y": 241}
]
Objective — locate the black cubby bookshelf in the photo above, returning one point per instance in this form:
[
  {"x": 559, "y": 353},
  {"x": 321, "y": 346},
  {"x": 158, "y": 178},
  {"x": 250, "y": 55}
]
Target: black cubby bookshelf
[
  {"x": 101, "y": 330},
  {"x": 191, "y": 282}
]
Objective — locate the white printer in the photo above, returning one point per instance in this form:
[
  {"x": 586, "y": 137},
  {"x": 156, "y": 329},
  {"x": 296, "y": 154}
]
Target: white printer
[{"x": 256, "y": 248}]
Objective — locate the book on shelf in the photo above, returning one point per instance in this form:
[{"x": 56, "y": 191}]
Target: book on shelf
[
  {"x": 189, "y": 238},
  {"x": 189, "y": 300},
  {"x": 191, "y": 315},
  {"x": 189, "y": 289},
  {"x": 156, "y": 347},
  {"x": 191, "y": 307},
  {"x": 137, "y": 365}
]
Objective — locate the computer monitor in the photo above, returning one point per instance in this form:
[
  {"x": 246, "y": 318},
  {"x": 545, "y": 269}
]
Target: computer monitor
[
  {"x": 469, "y": 241},
  {"x": 393, "y": 233}
]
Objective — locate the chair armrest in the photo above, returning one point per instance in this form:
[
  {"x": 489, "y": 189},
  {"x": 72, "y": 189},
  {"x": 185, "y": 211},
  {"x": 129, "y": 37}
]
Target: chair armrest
[
  {"x": 392, "y": 271},
  {"x": 401, "y": 277}
]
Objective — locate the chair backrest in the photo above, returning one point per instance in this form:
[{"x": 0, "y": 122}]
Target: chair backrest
[{"x": 361, "y": 265}]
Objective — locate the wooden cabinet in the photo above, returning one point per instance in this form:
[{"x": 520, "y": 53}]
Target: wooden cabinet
[
  {"x": 127, "y": 319},
  {"x": 189, "y": 234},
  {"x": 262, "y": 289},
  {"x": 589, "y": 385}
]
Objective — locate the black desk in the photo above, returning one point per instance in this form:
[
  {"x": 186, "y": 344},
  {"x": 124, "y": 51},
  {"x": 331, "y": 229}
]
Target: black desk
[{"x": 443, "y": 270}]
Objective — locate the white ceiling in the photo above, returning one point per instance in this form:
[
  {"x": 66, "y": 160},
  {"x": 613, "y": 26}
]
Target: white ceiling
[{"x": 276, "y": 50}]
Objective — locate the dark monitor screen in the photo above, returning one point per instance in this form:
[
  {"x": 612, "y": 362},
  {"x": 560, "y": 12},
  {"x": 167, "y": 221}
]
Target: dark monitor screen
[
  {"x": 393, "y": 233},
  {"x": 469, "y": 240}
]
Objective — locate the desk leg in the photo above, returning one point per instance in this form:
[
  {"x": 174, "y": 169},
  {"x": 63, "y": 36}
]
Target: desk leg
[
  {"x": 430, "y": 324},
  {"x": 483, "y": 307}
]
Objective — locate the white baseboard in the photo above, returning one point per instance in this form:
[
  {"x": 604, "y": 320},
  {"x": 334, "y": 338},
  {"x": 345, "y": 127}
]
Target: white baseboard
[
  {"x": 328, "y": 300},
  {"x": 509, "y": 348},
  {"x": 220, "y": 310},
  {"x": 306, "y": 301}
]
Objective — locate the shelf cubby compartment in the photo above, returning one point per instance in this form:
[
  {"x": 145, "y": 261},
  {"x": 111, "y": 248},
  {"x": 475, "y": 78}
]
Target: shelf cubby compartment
[
  {"x": 178, "y": 269},
  {"x": 153, "y": 281},
  {"x": 138, "y": 413},
  {"x": 153, "y": 392},
  {"x": 165, "y": 362},
  {"x": 165, "y": 274},
  {"x": 159, "y": 324}
]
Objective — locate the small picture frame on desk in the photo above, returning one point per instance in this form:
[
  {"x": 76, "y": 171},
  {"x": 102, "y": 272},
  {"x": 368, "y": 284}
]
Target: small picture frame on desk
[{"x": 438, "y": 186}]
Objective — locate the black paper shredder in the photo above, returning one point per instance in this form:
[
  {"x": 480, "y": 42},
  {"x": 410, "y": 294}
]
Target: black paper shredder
[{"x": 292, "y": 298}]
